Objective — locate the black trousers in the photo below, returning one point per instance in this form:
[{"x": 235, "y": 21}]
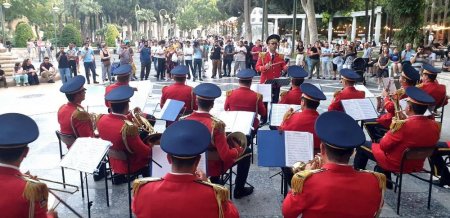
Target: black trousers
[
  {"x": 73, "y": 67},
  {"x": 227, "y": 66},
  {"x": 243, "y": 166},
  {"x": 145, "y": 70},
  {"x": 188, "y": 63},
  {"x": 375, "y": 130},
  {"x": 363, "y": 154},
  {"x": 438, "y": 164},
  {"x": 275, "y": 94},
  {"x": 118, "y": 179},
  {"x": 161, "y": 68}
]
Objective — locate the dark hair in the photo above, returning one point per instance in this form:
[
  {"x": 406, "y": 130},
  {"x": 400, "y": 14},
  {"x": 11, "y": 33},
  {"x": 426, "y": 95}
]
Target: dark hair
[
  {"x": 179, "y": 78},
  {"x": 119, "y": 107},
  {"x": 310, "y": 104},
  {"x": 432, "y": 77},
  {"x": 123, "y": 78},
  {"x": 341, "y": 156},
  {"x": 8, "y": 155},
  {"x": 297, "y": 81},
  {"x": 409, "y": 81},
  {"x": 71, "y": 97},
  {"x": 46, "y": 58},
  {"x": 184, "y": 163},
  {"x": 205, "y": 104},
  {"x": 418, "y": 108},
  {"x": 246, "y": 82}
]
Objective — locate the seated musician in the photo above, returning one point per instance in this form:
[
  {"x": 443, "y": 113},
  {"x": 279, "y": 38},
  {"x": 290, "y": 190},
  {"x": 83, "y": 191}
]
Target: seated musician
[
  {"x": 185, "y": 187},
  {"x": 179, "y": 90},
  {"x": 431, "y": 86},
  {"x": 245, "y": 99},
  {"x": 220, "y": 155},
  {"x": 21, "y": 195},
  {"x": 294, "y": 94},
  {"x": 323, "y": 191},
  {"x": 416, "y": 130},
  {"x": 72, "y": 118},
  {"x": 349, "y": 78},
  {"x": 439, "y": 165},
  {"x": 377, "y": 129},
  {"x": 118, "y": 128}
]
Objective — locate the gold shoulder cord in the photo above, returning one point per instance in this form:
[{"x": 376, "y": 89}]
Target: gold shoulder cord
[
  {"x": 137, "y": 183},
  {"x": 222, "y": 195}
]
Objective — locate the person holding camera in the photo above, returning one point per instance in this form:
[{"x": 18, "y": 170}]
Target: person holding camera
[
  {"x": 87, "y": 54},
  {"x": 63, "y": 65}
]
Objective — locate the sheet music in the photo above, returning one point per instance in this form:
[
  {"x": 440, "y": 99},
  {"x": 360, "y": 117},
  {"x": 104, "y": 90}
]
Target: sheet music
[
  {"x": 359, "y": 109},
  {"x": 278, "y": 111},
  {"x": 264, "y": 89},
  {"x": 363, "y": 88},
  {"x": 389, "y": 84},
  {"x": 85, "y": 154},
  {"x": 170, "y": 110},
  {"x": 237, "y": 121},
  {"x": 298, "y": 146},
  {"x": 160, "y": 157}
]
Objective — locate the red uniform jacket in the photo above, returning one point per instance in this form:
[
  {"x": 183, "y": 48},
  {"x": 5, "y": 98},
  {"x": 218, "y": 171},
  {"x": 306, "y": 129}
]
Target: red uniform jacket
[
  {"x": 73, "y": 120},
  {"x": 226, "y": 155},
  {"x": 13, "y": 204},
  {"x": 326, "y": 194},
  {"x": 274, "y": 71},
  {"x": 245, "y": 99},
  {"x": 437, "y": 91},
  {"x": 110, "y": 88},
  {"x": 180, "y": 92},
  {"x": 293, "y": 96},
  {"x": 185, "y": 196},
  {"x": 110, "y": 128},
  {"x": 304, "y": 122},
  {"x": 417, "y": 131},
  {"x": 346, "y": 93}
]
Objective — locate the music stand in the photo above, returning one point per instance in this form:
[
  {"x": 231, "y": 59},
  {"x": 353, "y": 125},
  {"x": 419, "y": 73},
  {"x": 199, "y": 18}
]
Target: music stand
[{"x": 279, "y": 82}]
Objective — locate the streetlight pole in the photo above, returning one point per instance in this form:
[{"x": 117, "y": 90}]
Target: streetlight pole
[
  {"x": 55, "y": 10},
  {"x": 137, "y": 9},
  {"x": 6, "y": 5},
  {"x": 162, "y": 14}
]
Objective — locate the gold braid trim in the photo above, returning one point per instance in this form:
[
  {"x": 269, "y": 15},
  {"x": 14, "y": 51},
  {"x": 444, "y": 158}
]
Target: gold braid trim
[
  {"x": 258, "y": 97},
  {"x": 261, "y": 56},
  {"x": 396, "y": 124},
  {"x": 419, "y": 85},
  {"x": 217, "y": 124},
  {"x": 228, "y": 93},
  {"x": 400, "y": 92},
  {"x": 222, "y": 195},
  {"x": 288, "y": 114},
  {"x": 336, "y": 93},
  {"x": 382, "y": 185},
  {"x": 137, "y": 183},
  {"x": 281, "y": 56},
  {"x": 283, "y": 93},
  {"x": 35, "y": 191},
  {"x": 299, "y": 179},
  {"x": 81, "y": 115},
  {"x": 128, "y": 129}
]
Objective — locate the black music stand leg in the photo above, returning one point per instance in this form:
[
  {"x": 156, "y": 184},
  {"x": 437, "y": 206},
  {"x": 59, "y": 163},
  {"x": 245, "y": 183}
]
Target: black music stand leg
[
  {"x": 63, "y": 177},
  {"x": 106, "y": 185},
  {"x": 285, "y": 186},
  {"x": 82, "y": 186},
  {"x": 87, "y": 194}
]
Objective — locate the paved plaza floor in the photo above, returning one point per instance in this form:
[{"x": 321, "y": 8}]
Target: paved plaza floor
[{"x": 42, "y": 103}]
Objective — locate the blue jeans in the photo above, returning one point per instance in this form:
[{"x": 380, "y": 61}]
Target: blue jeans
[
  {"x": 90, "y": 66},
  {"x": 197, "y": 67},
  {"x": 65, "y": 74}
]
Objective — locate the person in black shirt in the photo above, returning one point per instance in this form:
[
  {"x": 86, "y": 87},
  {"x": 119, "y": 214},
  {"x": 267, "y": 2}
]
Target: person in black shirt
[
  {"x": 63, "y": 65},
  {"x": 216, "y": 53},
  {"x": 27, "y": 67},
  {"x": 228, "y": 58},
  {"x": 3, "y": 78},
  {"x": 314, "y": 57},
  {"x": 47, "y": 70}
]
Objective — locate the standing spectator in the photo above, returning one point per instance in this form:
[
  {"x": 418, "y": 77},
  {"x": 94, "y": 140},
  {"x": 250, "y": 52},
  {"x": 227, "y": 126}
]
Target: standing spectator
[
  {"x": 153, "y": 49},
  {"x": 286, "y": 51},
  {"x": 248, "y": 55},
  {"x": 255, "y": 53},
  {"x": 47, "y": 71},
  {"x": 87, "y": 54},
  {"x": 383, "y": 63},
  {"x": 160, "y": 54},
  {"x": 407, "y": 53},
  {"x": 20, "y": 76},
  {"x": 2, "y": 77},
  {"x": 72, "y": 55},
  {"x": 198, "y": 51},
  {"x": 326, "y": 63},
  {"x": 395, "y": 63},
  {"x": 8, "y": 45},
  {"x": 216, "y": 53},
  {"x": 146, "y": 61},
  {"x": 30, "y": 48},
  {"x": 241, "y": 52},
  {"x": 350, "y": 55},
  {"x": 63, "y": 65},
  {"x": 49, "y": 49},
  {"x": 171, "y": 60},
  {"x": 314, "y": 55},
  {"x": 105, "y": 58},
  {"x": 126, "y": 57},
  {"x": 367, "y": 55},
  {"x": 41, "y": 50},
  {"x": 206, "y": 47},
  {"x": 188, "y": 51},
  {"x": 430, "y": 38},
  {"x": 228, "y": 58},
  {"x": 29, "y": 69},
  {"x": 300, "y": 58},
  {"x": 338, "y": 60}
]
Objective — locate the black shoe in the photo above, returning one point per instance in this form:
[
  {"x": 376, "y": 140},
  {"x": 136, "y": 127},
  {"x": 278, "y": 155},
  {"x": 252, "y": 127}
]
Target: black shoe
[
  {"x": 213, "y": 77},
  {"x": 440, "y": 183},
  {"x": 193, "y": 79},
  {"x": 240, "y": 193},
  {"x": 51, "y": 81},
  {"x": 95, "y": 82},
  {"x": 201, "y": 79},
  {"x": 310, "y": 77},
  {"x": 389, "y": 185}
]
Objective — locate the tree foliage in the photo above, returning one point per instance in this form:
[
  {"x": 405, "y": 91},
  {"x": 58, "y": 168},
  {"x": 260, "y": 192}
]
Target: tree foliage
[
  {"x": 111, "y": 34},
  {"x": 70, "y": 34},
  {"x": 22, "y": 35},
  {"x": 198, "y": 13}
]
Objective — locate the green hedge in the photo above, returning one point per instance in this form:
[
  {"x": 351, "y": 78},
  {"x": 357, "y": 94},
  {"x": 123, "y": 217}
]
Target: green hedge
[
  {"x": 22, "y": 35},
  {"x": 111, "y": 34},
  {"x": 70, "y": 34}
]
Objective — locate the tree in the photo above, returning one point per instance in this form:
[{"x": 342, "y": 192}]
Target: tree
[
  {"x": 70, "y": 34},
  {"x": 308, "y": 7},
  {"x": 22, "y": 35},
  {"x": 248, "y": 28},
  {"x": 187, "y": 19},
  {"x": 111, "y": 34}
]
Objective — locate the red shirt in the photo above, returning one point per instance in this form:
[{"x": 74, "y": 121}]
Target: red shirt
[
  {"x": 180, "y": 92},
  {"x": 274, "y": 71},
  {"x": 293, "y": 96},
  {"x": 437, "y": 91},
  {"x": 71, "y": 123},
  {"x": 186, "y": 197},
  {"x": 417, "y": 131},
  {"x": 112, "y": 87},
  {"x": 256, "y": 49},
  {"x": 13, "y": 204},
  {"x": 303, "y": 121},
  {"x": 110, "y": 128},
  {"x": 219, "y": 145},
  {"x": 327, "y": 194},
  {"x": 245, "y": 99},
  {"x": 347, "y": 93}
]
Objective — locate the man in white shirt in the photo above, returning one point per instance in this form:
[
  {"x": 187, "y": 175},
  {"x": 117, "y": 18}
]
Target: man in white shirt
[
  {"x": 325, "y": 59},
  {"x": 239, "y": 57},
  {"x": 188, "y": 51}
]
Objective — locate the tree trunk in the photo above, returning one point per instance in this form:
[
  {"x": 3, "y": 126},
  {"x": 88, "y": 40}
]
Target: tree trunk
[
  {"x": 372, "y": 24},
  {"x": 248, "y": 28},
  {"x": 444, "y": 21},
  {"x": 145, "y": 29},
  {"x": 366, "y": 31},
  {"x": 433, "y": 5},
  {"x": 36, "y": 29},
  {"x": 308, "y": 7},
  {"x": 425, "y": 19},
  {"x": 307, "y": 40},
  {"x": 265, "y": 30}
]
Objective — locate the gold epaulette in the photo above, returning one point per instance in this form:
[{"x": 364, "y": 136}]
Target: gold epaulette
[
  {"x": 98, "y": 117},
  {"x": 262, "y": 54},
  {"x": 420, "y": 85},
  {"x": 228, "y": 93},
  {"x": 129, "y": 129},
  {"x": 258, "y": 97},
  {"x": 81, "y": 115},
  {"x": 381, "y": 184},
  {"x": 137, "y": 183},
  {"x": 396, "y": 124},
  {"x": 299, "y": 179},
  {"x": 336, "y": 93},
  {"x": 222, "y": 195},
  {"x": 281, "y": 56},
  {"x": 400, "y": 92},
  {"x": 288, "y": 114},
  {"x": 218, "y": 124},
  {"x": 35, "y": 191},
  {"x": 283, "y": 93}
]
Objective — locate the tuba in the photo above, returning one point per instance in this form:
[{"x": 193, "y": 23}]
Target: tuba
[
  {"x": 146, "y": 131},
  {"x": 316, "y": 163}
]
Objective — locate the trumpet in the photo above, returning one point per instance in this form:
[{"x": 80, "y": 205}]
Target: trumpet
[
  {"x": 47, "y": 181},
  {"x": 316, "y": 163}
]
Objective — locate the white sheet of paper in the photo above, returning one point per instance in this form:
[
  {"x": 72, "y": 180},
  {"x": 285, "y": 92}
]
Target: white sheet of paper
[
  {"x": 264, "y": 89},
  {"x": 160, "y": 157},
  {"x": 359, "y": 109},
  {"x": 237, "y": 121},
  {"x": 299, "y": 146},
  {"x": 278, "y": 111},
  {"x": 368, "y": 93},
  {"x": 85, "y": 154}
]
